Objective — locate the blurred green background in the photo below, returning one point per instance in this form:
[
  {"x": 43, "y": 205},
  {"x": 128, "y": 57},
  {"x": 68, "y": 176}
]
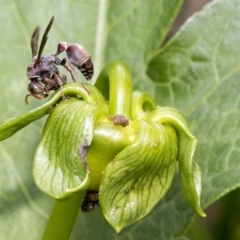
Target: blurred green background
[
  {"x": 18, "y": 20},
  {"x": 223, "y": 217}
]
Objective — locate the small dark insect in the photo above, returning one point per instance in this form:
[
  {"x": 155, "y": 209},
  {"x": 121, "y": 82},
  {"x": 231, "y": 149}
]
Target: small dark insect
[
  {"x": 91, "y": 198},
  {"x": 41, "y": 71},
  {"x": 119, "y": 120}
]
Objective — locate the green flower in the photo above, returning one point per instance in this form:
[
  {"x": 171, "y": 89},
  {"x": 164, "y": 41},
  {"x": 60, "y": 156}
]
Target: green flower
[{"x": 112, "y": 141}]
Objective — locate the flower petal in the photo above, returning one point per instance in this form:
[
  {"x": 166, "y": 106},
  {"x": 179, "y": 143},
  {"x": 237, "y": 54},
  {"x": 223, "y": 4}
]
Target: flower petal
[
  {"x": 190, "y": 174},
  {"x": 139, "y": 176},
  {"x": 59, "y": 164}
]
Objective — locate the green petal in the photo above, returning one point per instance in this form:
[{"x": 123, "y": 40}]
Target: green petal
[
  {"x": 60, "y": 160},
  {"x": 142, "y": 104},
  {"x": 139, "y": 176},
  {"x": 190, "y": 174}
]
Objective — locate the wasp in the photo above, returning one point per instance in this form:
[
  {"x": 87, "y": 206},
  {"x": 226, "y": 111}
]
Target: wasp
[
  {"x": 91, "y": 198},
  {"x": 43, "y": 72}
]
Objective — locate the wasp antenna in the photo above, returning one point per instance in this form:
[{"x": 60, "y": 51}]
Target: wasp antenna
[
  {"x": 44, "y": 40},
  {"x": 26, "y": 98}
]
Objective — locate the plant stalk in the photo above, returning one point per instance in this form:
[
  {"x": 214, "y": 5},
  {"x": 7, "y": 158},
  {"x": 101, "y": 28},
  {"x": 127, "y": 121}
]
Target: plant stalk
[
  {"x": 63, "y": 216},
  {"x": 115, "y": 84}
]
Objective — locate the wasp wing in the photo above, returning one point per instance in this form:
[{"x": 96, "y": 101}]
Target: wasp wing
[
  {"x": 34, "y": 41},
  {"x": 44, "y": 40}
]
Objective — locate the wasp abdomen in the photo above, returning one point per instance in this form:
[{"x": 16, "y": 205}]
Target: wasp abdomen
[
  {"x": 78, "y": 57},
  {"x": 87, "y": 69}
]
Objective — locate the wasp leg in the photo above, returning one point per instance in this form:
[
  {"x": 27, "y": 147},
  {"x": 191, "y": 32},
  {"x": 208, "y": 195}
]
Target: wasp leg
[
  {"x": 61, "y": 80},
  {"x": 72, "y": 70},
  {"x": 69, "y": 67}
]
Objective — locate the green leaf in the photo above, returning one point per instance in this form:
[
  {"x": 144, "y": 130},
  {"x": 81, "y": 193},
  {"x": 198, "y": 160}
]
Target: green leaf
[
  {"x": 139, "y": 176},
  {"x": 133, "y": 41}
]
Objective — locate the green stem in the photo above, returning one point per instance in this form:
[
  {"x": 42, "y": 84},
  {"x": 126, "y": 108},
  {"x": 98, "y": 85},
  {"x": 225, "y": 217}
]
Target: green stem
[
  {"x": 115, "y": 83},
  {"x": 75, "y": 89},
  {"x": 63, "y": 217},
  {"x": 11, "y": 126}
]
